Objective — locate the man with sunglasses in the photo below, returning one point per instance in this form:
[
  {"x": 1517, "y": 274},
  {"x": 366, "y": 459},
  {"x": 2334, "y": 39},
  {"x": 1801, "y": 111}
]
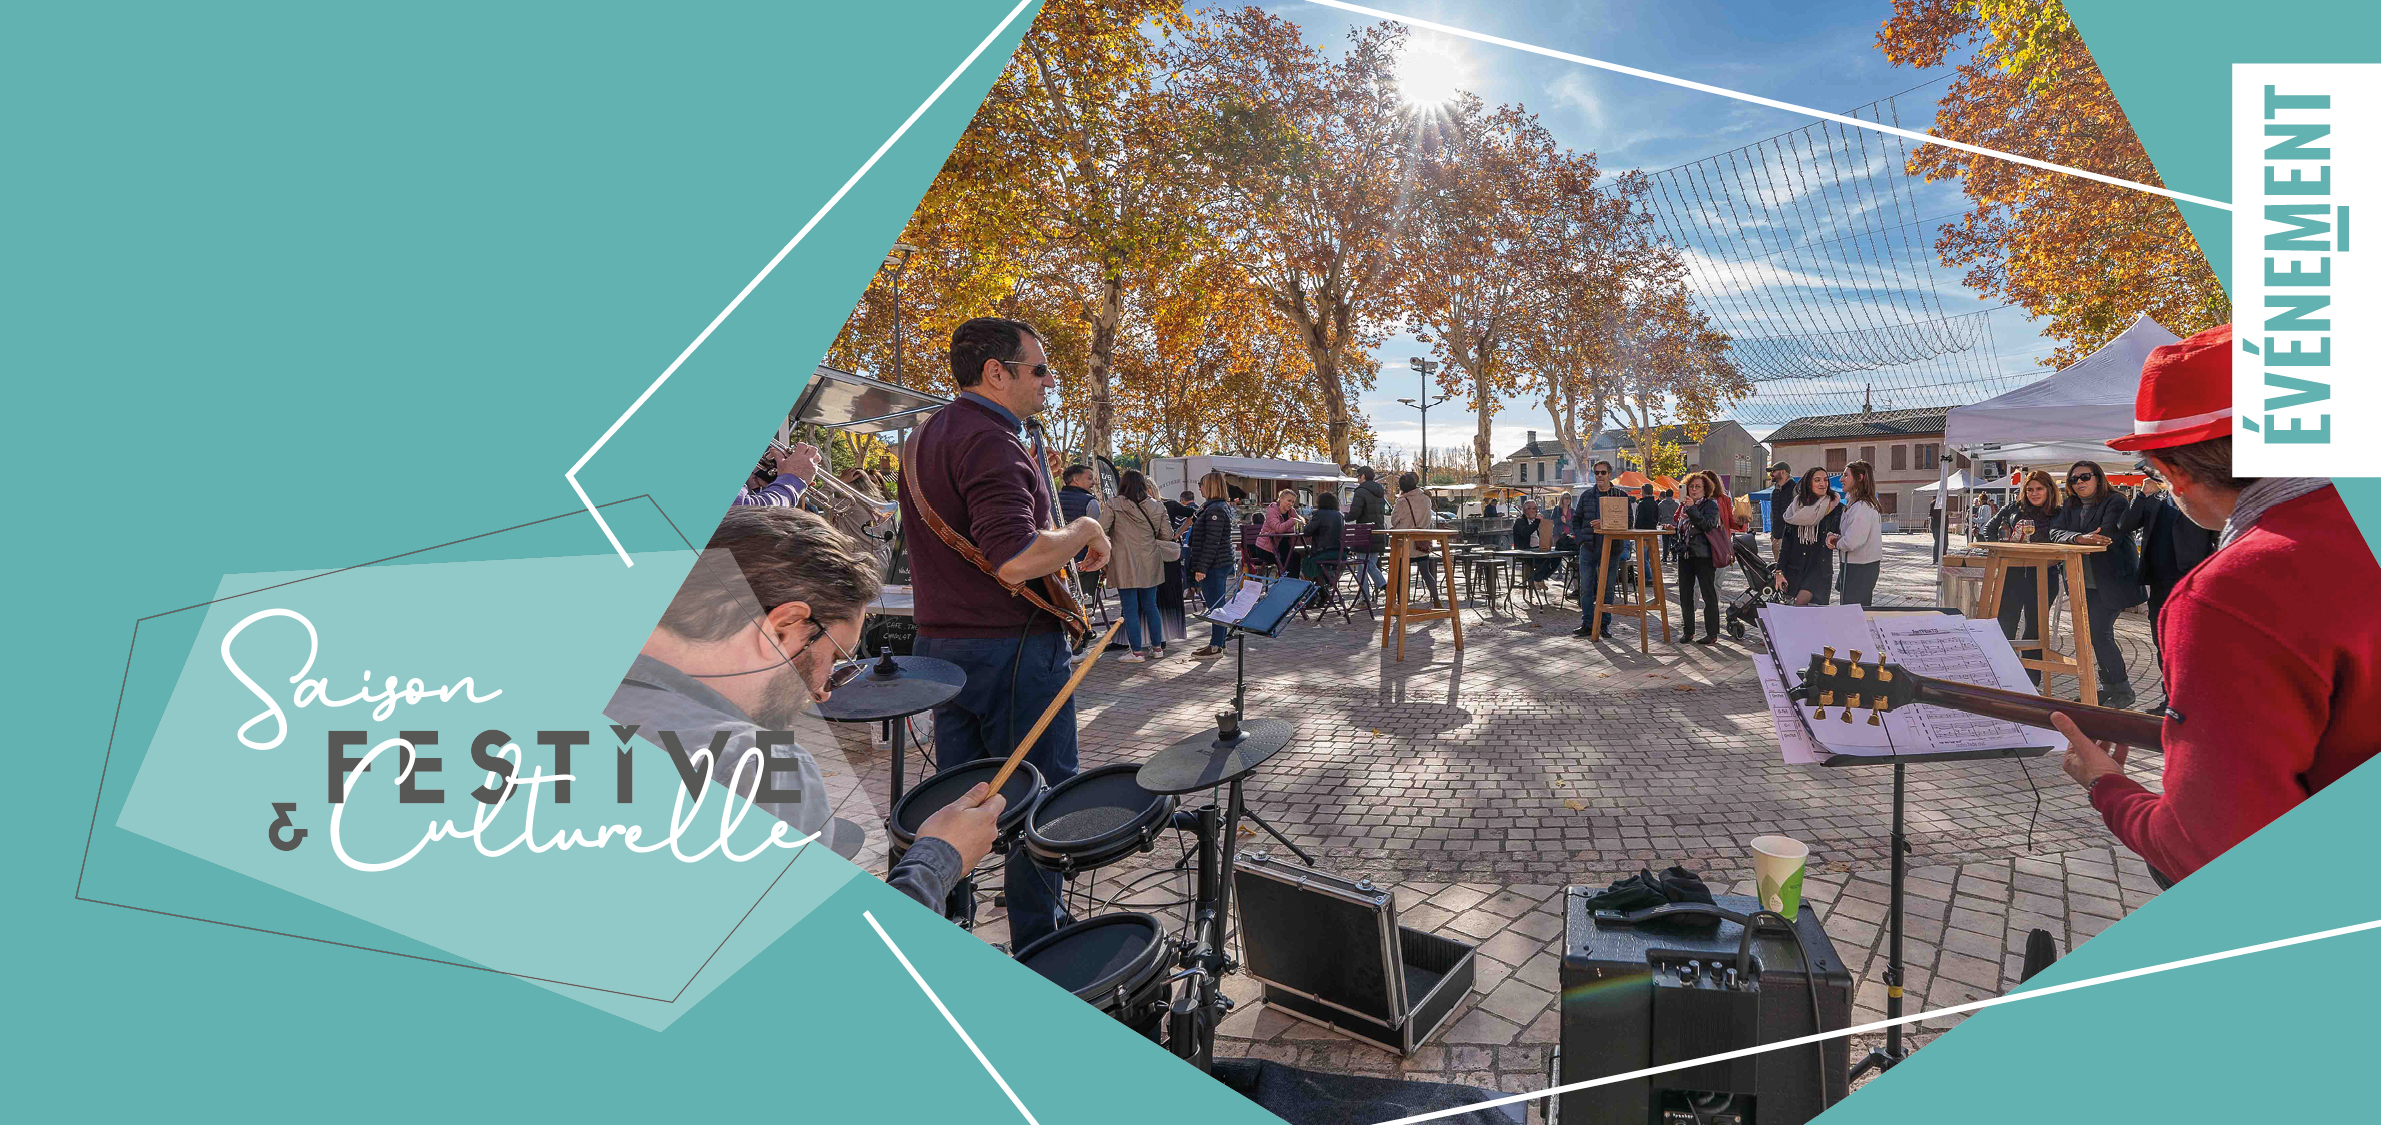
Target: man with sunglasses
[
  {"x": 764, "y": 625},
  {"x": 1591, "y": 548},
  {"x": 979, "y": 467}
]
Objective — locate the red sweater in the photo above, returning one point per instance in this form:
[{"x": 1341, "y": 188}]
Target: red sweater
[{"x": 2272, "y": 657}]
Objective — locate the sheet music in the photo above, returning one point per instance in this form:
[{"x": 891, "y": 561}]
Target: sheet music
[
  {"x": 1792, "y": 737},
  {"x": 1971, "y": 652},
  {"x": 1244, "y": 599},
  {"x": 1938, "y": 646},
  {"x": 1798, "y": 632}
]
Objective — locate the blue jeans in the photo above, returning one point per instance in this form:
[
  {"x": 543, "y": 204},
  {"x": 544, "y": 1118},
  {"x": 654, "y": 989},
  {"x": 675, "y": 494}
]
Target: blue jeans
[
  {"x": 1212, "y": 589},
  {"x": 1590, "y": 582},
  {"x": 1368, "y": 574},
  {"x": 984, "y": 721},
  {"x": 1140, "y": 606}
]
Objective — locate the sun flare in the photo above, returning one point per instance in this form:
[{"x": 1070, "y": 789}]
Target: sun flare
[{"x": 1431, "y": 72}]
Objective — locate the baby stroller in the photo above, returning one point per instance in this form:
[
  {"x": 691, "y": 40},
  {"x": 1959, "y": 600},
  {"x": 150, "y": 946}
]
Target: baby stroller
[{"x": 1760, "y": 586}]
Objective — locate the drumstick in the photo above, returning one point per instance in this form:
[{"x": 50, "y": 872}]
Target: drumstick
[{"x": 1051, "y": 712}]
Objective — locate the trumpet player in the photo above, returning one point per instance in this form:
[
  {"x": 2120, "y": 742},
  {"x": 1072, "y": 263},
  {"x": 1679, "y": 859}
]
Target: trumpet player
[{"x": 779, "y": 481}]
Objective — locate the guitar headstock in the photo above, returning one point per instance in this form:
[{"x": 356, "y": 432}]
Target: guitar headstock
[{"x": 1847, "y": 685}]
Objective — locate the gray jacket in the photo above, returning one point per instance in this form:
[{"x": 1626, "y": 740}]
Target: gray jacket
[{"x": 666, "y": 705}]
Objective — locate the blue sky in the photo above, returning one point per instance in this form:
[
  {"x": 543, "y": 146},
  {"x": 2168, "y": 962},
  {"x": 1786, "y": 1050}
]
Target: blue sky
[{"x": 1820, "y": 54}]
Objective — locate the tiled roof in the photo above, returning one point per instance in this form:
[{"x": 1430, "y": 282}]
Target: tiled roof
[{"x": 1882, "y": 423}]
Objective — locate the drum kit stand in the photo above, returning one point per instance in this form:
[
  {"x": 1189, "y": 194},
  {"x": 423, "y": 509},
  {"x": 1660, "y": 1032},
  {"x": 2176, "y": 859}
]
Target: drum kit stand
[{"x": 1118, "y": 962}]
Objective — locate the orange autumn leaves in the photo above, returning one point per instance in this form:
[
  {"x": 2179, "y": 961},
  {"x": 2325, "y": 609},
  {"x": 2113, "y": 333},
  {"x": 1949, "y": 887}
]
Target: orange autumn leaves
[{"x": 2086, "y": 255}]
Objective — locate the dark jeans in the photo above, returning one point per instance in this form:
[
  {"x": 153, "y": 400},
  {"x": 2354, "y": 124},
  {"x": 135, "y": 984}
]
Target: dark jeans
[
  {"x": 2017, "y": 602},
  {"x": 984, "y": 721},
  {"x": 2105, "y": 652},
  {"x": 1859, "y": 583},
  {"x": 1212, "y": 589},
  {"x": 1590, "y": 581},
  {"x": 1697, "y": 571}
]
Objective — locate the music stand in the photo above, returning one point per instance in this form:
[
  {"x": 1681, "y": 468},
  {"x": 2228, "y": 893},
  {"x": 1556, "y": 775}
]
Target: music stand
[
  {"x": 1272, "y": 610},
  {"x": 1891, "y": 1054}
]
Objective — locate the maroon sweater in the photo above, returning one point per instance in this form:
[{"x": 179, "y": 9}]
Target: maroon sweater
[
  {"x": 2272, "y": 652},
  {"x": 977, "y": 473}
]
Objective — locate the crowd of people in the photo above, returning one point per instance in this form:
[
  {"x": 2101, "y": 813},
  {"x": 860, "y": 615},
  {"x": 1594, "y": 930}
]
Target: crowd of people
[{"x": 769, "y": 620}]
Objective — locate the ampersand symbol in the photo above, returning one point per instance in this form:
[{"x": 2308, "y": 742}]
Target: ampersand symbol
[{"x": 297, "y": 835}]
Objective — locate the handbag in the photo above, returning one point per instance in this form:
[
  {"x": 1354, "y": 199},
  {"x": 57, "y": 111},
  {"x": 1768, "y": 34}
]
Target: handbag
[{"x": 1168, "y": 550}]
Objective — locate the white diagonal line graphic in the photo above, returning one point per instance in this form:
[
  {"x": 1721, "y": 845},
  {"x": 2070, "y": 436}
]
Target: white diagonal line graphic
[
  {"x": 1880, "y": 1025},
  {"x": 1756, "y": 99},
  {"x": 573, "y": 474},
  {"x": 948, "y": 1018}
]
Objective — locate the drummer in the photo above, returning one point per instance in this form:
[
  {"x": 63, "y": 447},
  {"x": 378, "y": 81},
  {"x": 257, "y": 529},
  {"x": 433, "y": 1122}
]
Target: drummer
[{"x": 752, "y": 637}]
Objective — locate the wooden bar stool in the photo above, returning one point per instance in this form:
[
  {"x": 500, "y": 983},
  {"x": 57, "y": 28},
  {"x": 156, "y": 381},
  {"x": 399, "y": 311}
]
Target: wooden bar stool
[
  {"x": 1406, "y": 545},
  {"x": 2045, "y": 559},
  {"x": 1649, "y": 566}
]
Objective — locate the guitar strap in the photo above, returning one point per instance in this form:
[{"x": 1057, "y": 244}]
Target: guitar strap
[{"x": 1077, "y": 624}]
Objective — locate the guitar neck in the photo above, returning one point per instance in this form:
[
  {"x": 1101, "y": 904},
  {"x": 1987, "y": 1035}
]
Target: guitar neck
[{"x": 2125, "y": 728}]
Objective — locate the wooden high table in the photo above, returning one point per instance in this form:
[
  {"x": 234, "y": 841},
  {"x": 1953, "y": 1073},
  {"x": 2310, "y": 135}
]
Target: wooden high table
[
  {"x": 1395, "y": 614},
  {"x": 2045, "y": 559},
  {"x": 1649, "y": 563}
]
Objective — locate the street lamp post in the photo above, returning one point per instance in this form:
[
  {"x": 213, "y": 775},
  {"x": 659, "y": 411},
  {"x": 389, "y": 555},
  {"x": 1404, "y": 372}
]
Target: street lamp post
[
  {"x": 899, "y": 260},
  {"x": 1426, "y": 368}
]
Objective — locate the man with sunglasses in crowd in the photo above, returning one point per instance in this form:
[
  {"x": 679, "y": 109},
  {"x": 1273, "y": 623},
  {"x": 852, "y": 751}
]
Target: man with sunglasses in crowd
[
  {"x": 1591, "y": 549},
  {"x": 760, "y": 629},
  {"x": 977, "y": 472}
]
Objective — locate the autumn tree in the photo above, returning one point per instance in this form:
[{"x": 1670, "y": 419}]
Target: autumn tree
[
  {"x": 1082, "y": 127},
  {"x": 1306, "y": 156},
  {"x": 1672, "y": 368},
  {"x": 2089, "y": 256},
  {"x": 1599, "y": 239},
  {"x": 1478, "y": 217}
]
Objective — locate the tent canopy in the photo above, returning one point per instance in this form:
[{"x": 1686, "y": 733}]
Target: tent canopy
[
  {"x": 2087, "y": 403},
  {"x": 1270, "y": 468},
  {"x": 1959, "y": 482}
]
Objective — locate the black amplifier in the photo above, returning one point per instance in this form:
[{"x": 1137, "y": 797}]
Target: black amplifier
[{"x": 1636, "y": 996}]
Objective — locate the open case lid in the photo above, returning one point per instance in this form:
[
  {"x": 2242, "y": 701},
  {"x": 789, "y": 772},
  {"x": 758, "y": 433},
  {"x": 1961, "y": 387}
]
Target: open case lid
[{"x": 860, "y": 404}]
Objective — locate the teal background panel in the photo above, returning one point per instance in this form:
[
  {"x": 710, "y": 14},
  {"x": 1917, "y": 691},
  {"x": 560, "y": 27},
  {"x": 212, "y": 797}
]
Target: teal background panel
[{"x": 295, "y": 287}]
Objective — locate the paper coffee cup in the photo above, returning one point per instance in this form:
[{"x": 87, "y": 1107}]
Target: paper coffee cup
[{"x": 1777, "y": 872}]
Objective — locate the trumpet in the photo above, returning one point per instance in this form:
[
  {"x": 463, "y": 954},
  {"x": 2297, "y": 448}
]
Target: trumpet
[{"x": 846, "y": 501}]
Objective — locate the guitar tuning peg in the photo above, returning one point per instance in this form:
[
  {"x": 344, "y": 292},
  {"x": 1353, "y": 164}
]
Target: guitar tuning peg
[
  {"x": 1876, "y": 718},
  {"x": 1827, "y": 699},
  {"x": 1827, "y": 651},
  {"x": 1845, "y": 714},
  {"x": 1858, "y": 672},
  {"x": 1855, "y": 656},
  {"x": 1852, "y": 700},
  {"x": 1884, "y": 675},
  {"x": 1820, "y": 713}
]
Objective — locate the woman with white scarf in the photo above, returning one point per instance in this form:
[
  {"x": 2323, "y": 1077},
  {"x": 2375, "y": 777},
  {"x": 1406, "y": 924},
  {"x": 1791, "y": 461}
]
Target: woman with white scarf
[
  {"x": 1806, "y": 568},
  {"x": 1862, "y": 540}
]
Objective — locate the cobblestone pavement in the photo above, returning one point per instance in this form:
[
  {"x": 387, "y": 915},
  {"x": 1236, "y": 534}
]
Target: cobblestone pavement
[{"x": 1479, "y": 783}]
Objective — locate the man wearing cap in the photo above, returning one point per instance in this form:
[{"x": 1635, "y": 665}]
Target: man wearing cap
[{"x": 2273, "y": 679}]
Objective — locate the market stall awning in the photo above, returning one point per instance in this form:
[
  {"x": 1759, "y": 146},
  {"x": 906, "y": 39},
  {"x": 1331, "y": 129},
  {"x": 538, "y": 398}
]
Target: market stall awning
[
  {"x": 1269, "y": 468},
  {"x": 860, "y": 404}
]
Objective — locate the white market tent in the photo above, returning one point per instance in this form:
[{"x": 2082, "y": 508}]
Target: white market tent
[
  {"x": 2068, "y": 416},
  {"x": 1958, "y": 482},
  {"x": 2088, "y": 402},
  {"x": 1172, "y": 475}
]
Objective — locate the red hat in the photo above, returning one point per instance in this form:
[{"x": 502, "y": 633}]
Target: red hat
[{"x": 2185, "y": 396}]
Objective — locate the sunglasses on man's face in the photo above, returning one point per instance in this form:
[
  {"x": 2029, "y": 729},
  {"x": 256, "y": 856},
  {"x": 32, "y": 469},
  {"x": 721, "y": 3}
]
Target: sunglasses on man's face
[
  {"x": 1038, "y": 371},
  {"x": 1603, "y": 472}
]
